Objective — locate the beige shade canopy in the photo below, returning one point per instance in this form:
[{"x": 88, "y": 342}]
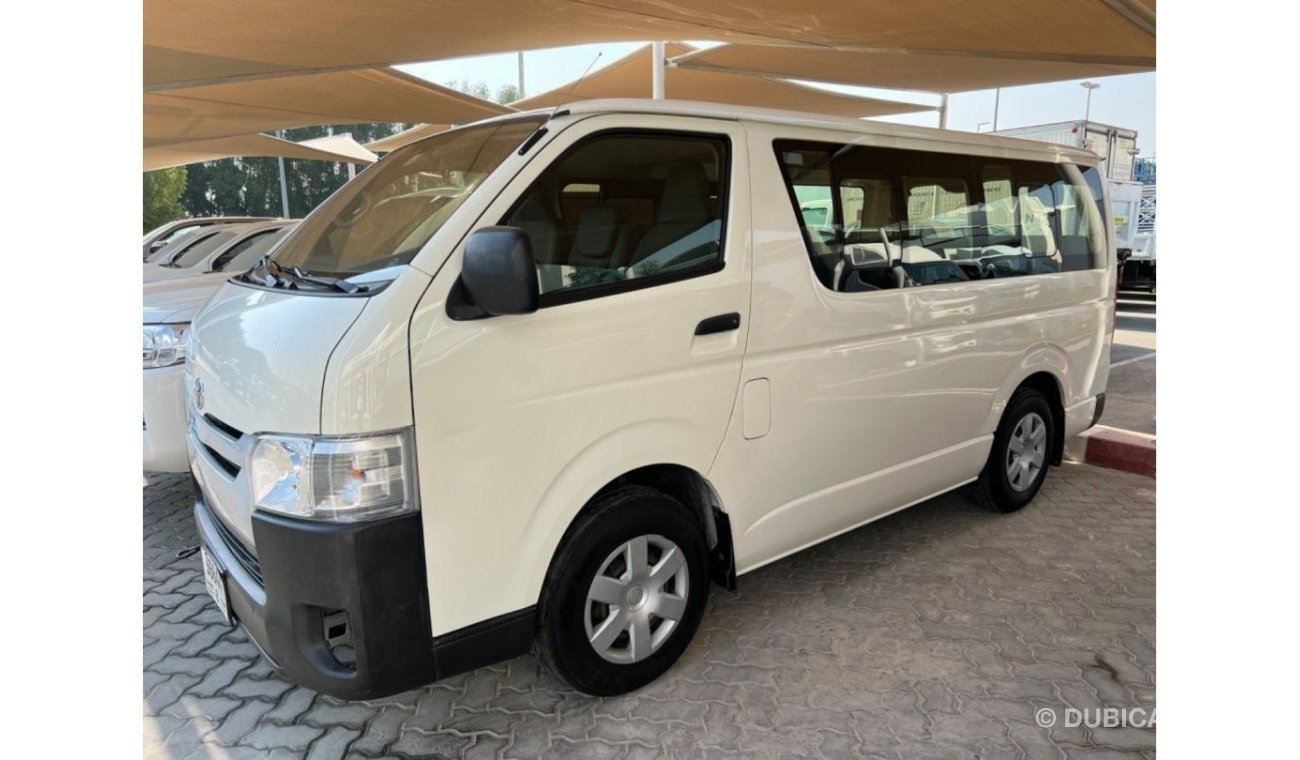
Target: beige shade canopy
[
  {"x": 189, "y": 42},
  {"x": 904, "y": 71},
  {"x": 343, "y": 145},
  {"x": 402, "y": 139},
  {"x": 254, "y": 145},
  {"x": 340, "y": 97},
  {"x": 629, "y": 77}
]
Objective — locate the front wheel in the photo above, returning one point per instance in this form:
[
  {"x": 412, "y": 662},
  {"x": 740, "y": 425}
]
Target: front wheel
[
  {"x": 625, "y": 594},
  {"x": 1022, "y": 450}
]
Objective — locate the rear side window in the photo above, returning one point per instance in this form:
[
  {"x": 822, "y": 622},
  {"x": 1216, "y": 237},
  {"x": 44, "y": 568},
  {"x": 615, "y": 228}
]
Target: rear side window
[
  {"x": 179, "y": 233},
  {"x": 624, "y": 210},
  {"x": 201, "y": 250},
  {"x": 901, "y": 218},
  {"x": 221, "y": 261},
  {"x": 265, "y": 245}
]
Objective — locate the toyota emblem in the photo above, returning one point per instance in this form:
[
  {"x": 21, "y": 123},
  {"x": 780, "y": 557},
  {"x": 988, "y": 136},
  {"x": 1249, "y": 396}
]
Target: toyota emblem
[{"x": 198, "y": 393}]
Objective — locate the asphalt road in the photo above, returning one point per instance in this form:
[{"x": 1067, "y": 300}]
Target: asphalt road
[{"x": 1131, "y": 390}]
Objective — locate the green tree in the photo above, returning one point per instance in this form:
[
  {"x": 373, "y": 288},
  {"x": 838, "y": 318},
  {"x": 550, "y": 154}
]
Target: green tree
[
  {"x": 162, "y": 195},
  {"x": 251, "y": 186},
  {"x": 507, "y": 93},
  {"x": 478, "y": 89}
]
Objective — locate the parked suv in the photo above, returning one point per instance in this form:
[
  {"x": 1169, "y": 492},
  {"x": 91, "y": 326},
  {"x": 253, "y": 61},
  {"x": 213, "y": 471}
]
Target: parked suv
[
  {"x": 169, "y": 306},
  {"x": 168, "y": 233},
  {"x": 210, "y": 250}
]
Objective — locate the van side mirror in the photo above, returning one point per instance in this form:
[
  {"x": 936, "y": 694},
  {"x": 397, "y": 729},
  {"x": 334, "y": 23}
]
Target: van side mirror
[{"x": 498, "y": 275}]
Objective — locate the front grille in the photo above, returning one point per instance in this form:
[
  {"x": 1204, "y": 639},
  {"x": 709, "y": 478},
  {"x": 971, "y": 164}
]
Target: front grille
[
  {"x": 241, "y": 553},
  {"x": 231, "y": 432},
  {"x": 225, "y": 436},
  {"x": 228, "y": 466}
]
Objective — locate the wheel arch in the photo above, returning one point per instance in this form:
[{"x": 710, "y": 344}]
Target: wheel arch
[
  {"x": 1045, "y": 368},
  {"x": 1047, "y": 384},
  {"x": 690, "y": 489}
]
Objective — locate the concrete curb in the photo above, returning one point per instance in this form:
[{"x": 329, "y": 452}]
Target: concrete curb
[{"x": 1117, "y": 449}]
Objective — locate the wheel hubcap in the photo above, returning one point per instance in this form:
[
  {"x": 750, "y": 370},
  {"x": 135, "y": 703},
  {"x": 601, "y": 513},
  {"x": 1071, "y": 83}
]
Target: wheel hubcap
[
  {"x": 636, "y": 599},
  {"x": 1026, "y": 451}
]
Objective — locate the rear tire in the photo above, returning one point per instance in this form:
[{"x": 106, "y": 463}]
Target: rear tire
[
  {"x": 625, "y": 593},
  {"x": 1020, "y": 456}
]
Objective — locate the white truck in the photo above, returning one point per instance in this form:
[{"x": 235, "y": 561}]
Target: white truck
[{"x": 1133, "y": 202}]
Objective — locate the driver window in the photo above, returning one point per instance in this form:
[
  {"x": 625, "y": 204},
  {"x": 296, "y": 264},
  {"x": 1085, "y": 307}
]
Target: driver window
[{"x": 625, "y": 207}]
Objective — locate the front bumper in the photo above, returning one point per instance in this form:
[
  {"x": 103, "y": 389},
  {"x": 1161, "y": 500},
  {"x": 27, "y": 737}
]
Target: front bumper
[
  {"x": 164, "y": 420},
  {"x": 339, "y": 608}
]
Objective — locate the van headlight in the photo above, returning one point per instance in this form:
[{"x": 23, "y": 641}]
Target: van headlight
[
  {"x": 164, "y": 345},
  {"x": 338, "y": 479}
]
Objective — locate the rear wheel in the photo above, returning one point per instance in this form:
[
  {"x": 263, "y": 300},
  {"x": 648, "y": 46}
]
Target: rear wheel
[
  {"x": 625, "y": 594},
  {"x": 1021, "y": 453}
]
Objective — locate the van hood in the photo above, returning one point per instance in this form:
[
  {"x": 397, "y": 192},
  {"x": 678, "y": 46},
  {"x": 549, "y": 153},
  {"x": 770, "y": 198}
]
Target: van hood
[
  {"x": 261, "y": 356},
  {"x": 179, "y": 300}
]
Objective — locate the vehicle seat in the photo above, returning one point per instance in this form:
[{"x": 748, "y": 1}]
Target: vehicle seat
[
  {"x": 537, "y": 220},
  {"x": 603, "y": 240},
  {"x": 684, "y": 208},
  {"x": 918, "y": 254}
]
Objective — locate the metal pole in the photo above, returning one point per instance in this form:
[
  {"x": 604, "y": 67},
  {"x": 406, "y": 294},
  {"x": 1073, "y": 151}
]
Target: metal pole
[
  {"x": 657, "y": 71},
  {"x": 284, "y": 184},
  {"x": 943, "y": 112},
  {"x": 997, "y": 101},
  {"x": 1087, "y": 110},
  {"x": 352, "y": 168},
  {"x": 521, "y": 74}
]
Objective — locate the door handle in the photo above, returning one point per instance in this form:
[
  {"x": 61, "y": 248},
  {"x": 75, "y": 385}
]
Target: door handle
[{"x": 718, "y": 324}]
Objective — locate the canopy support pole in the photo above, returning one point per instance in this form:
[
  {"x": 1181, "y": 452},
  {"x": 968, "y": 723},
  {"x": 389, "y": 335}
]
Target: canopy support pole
[
  {"x": 657, "y": 71},
  {"x": 352, "y": 168},
  {"x": 284, "y": 184},
  {"x": 997, "y": 101},
  {"x": 943, "y": 112},
  {"x": 521, "y": 75}
]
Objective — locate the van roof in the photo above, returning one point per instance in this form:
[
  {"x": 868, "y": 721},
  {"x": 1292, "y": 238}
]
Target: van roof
[{"x": 800, "y": 119}]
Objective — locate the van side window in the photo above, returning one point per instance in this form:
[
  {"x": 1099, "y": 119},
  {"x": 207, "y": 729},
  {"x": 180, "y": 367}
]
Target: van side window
[
  {"x": 625, "y": 208},
  {"x": 884, "y": 218},
  {"x": 938, "y": 211}
]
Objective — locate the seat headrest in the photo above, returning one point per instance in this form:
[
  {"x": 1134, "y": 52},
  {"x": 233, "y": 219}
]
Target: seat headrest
[
  {"x": 535, "y": 209},
  {"x": 598, "y": 228},
  {"x": 686, "y": 195},
  {"x": 916, "y": 254}
]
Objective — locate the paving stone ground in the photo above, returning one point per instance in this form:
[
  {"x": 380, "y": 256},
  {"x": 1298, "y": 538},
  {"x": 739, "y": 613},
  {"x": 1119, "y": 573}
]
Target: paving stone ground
[{"x": 935, "y": 633}]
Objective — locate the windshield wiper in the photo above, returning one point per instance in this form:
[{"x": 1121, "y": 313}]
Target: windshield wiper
[
  {"x": 269, "y": 274},
  {"x": 338, "y": 283},
  {"x": 264, "y": 273}
]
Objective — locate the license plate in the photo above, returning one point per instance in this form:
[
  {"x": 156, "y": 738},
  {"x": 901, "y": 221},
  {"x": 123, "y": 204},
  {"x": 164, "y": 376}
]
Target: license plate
[{"x": 215, "y": 580}]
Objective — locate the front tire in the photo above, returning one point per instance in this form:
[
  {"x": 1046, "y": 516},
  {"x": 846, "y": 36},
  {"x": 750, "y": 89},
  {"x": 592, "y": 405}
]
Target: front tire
[
  {"x": 1021, "y": 452},
  {"x": 625, "y": 594}
]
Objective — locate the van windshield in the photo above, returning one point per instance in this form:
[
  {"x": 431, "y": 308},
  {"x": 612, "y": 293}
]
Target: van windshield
[{"x": 384, "y": 216}]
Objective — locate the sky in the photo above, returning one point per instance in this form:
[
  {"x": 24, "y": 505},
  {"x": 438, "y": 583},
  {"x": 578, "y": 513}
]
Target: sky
[{"x": 1123, "y": 101}]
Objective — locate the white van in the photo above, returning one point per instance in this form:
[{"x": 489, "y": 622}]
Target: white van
[{"x": 541, "y": 380}]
